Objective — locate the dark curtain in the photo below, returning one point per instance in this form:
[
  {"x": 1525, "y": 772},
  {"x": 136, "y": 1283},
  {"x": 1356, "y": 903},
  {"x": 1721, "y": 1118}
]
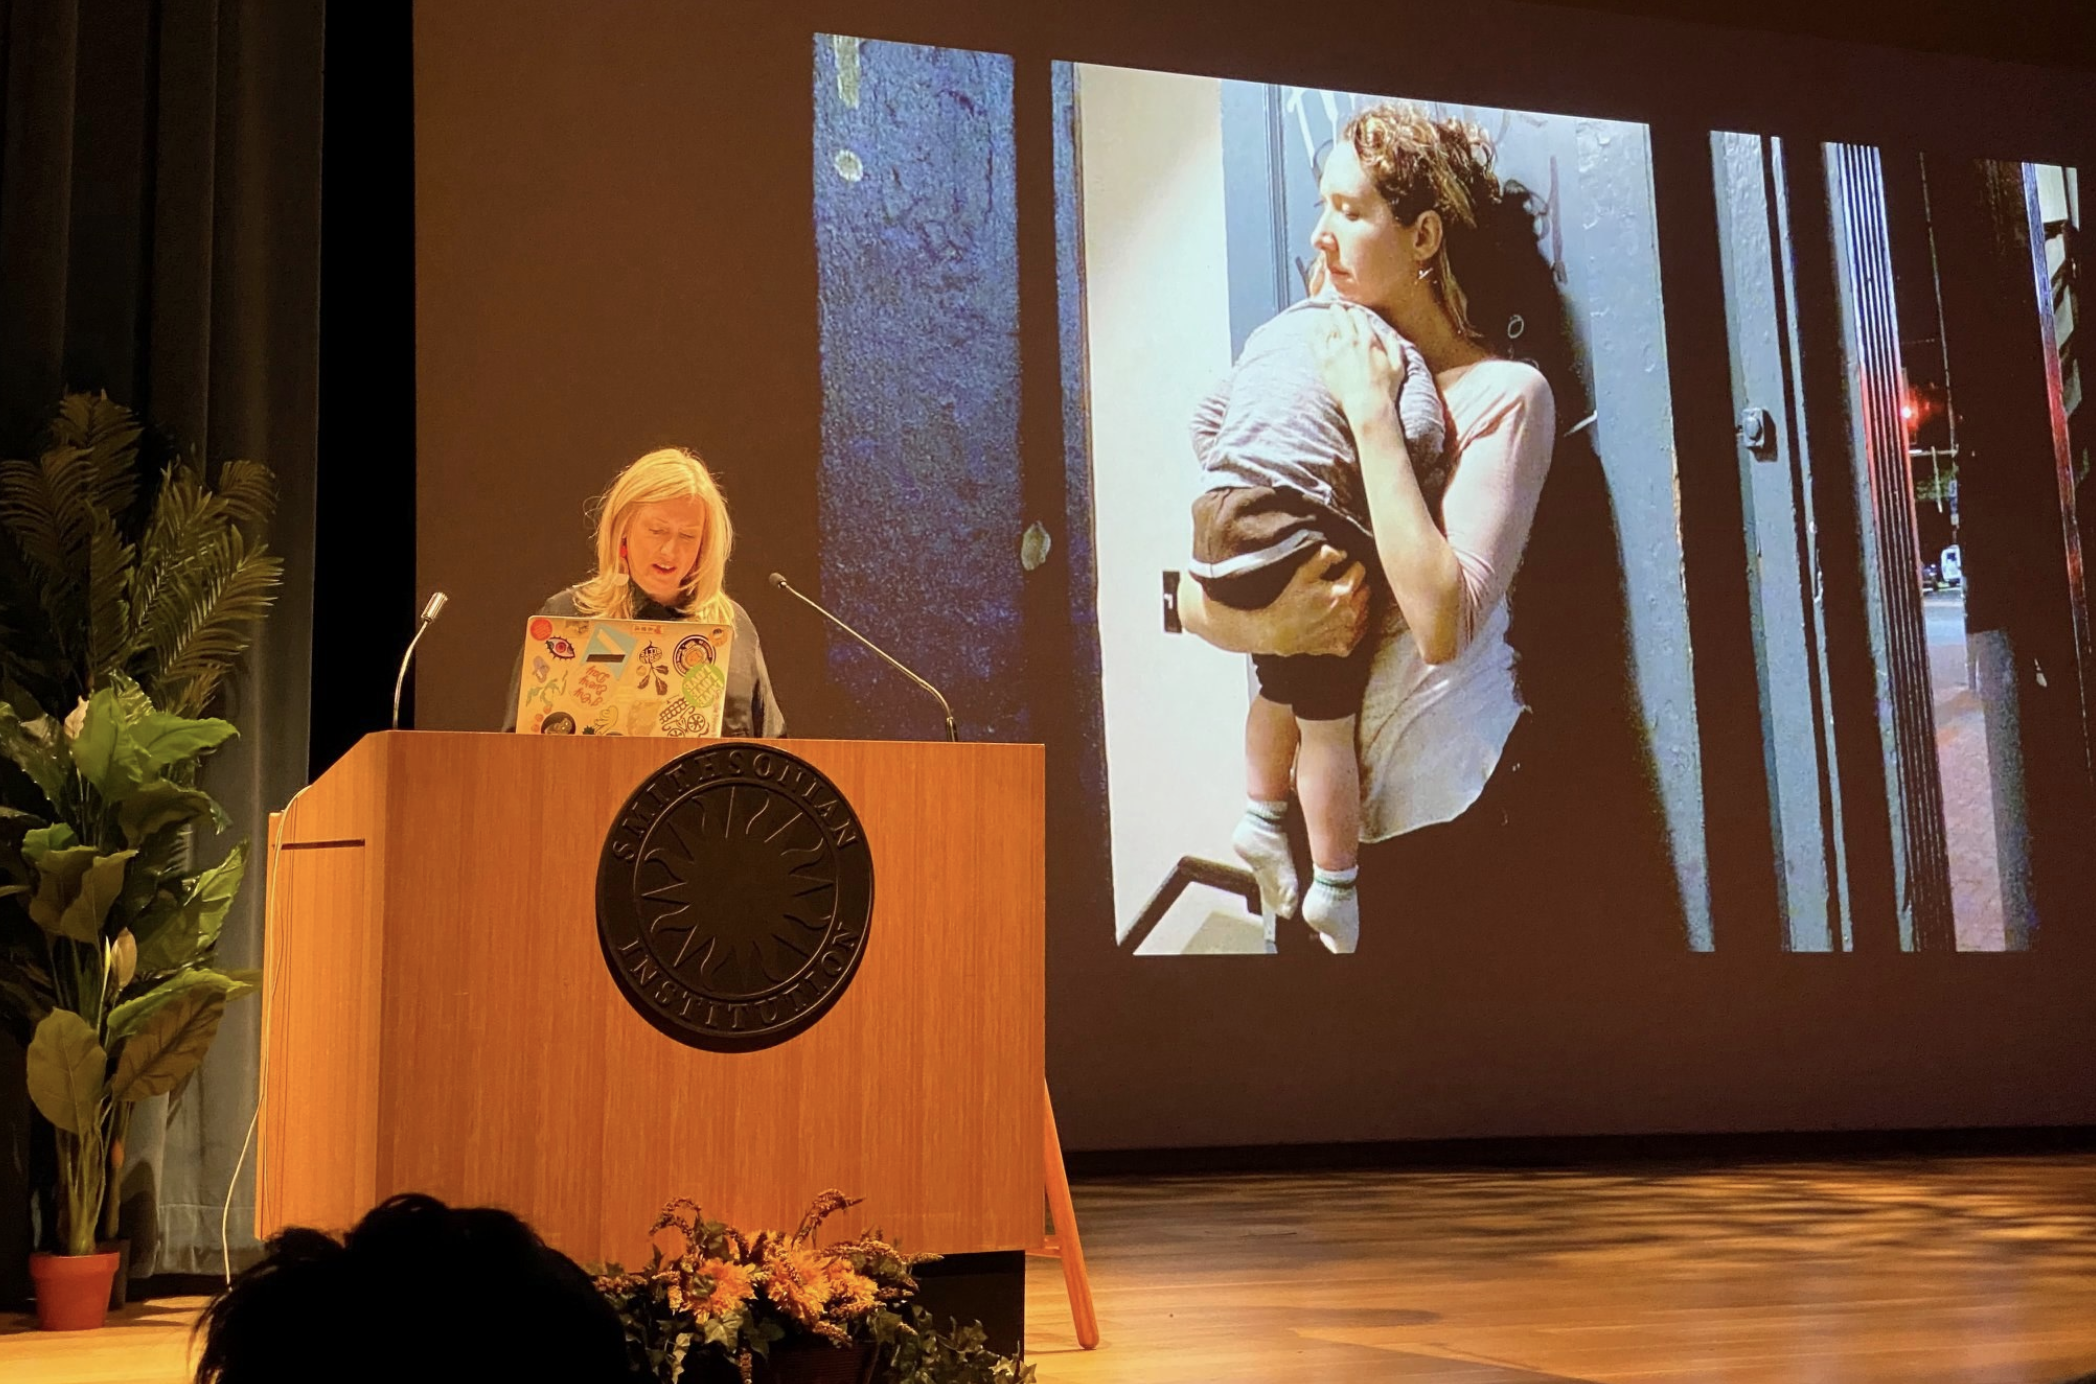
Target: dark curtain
[{"x": 160, "y": 239}]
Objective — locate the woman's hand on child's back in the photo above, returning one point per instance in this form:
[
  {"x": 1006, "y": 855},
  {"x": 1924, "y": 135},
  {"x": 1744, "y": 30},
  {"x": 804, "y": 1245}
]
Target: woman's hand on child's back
[{"x": 1356, "y": 368}]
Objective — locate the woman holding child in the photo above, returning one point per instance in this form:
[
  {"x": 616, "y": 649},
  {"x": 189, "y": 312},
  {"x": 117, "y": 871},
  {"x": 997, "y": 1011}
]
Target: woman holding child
[{"x": 1403, "y": 196}]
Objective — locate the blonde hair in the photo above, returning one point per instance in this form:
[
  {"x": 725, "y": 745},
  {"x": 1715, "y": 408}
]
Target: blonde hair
[
  {"x": 1422, "y": 165},
  {"x": 668, "y": 473}
]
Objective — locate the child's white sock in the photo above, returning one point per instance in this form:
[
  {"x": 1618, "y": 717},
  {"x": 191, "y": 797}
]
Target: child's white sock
[
  {"x": 1261, "y": 841},
  {"x": 1334, "y": 909}
]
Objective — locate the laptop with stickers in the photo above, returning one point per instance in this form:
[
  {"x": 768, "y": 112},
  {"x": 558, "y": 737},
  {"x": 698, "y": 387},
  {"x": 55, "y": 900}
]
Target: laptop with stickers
[{"x": 623, "y": 677}]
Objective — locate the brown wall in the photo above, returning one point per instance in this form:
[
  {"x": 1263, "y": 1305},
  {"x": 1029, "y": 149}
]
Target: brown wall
[
  {"x": 614, "y": 251},
  {"x": 612, "y": 255}
]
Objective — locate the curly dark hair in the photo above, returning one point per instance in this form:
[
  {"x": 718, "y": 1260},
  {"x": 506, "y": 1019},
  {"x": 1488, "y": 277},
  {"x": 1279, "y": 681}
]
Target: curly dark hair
[{"x": 418, "y": 1291}]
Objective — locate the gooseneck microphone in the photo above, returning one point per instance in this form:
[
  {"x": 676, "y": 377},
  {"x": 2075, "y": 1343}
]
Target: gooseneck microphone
[
  {"x": 430, "y": 612},
  {"x": 952, "y": 731}
]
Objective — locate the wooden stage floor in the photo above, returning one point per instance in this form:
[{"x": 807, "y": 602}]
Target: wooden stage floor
[{"x": 1975, "y": 1270}]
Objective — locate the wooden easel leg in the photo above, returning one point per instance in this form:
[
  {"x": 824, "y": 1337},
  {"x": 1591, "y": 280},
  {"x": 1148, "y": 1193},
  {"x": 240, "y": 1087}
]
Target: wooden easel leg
[{"x": 1063, "y": 1212}]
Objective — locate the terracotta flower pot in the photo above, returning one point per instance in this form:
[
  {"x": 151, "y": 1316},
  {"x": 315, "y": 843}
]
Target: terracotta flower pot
[{"x": 72, "y": 1290}]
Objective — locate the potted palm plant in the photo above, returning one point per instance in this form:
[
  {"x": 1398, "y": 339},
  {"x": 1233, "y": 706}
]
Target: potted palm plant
[{"x": 125, "y": 598}]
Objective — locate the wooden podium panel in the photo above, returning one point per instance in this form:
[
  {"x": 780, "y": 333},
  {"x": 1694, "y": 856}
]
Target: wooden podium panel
[{"x": 439, "y": 1016}]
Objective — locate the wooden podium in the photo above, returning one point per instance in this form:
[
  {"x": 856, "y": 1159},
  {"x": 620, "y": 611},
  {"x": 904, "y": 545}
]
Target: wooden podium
[{"x": 439, "y": 1017}]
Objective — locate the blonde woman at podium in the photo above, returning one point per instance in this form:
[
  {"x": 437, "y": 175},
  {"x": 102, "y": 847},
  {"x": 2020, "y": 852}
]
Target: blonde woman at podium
[{"x": 662, "y": 554}]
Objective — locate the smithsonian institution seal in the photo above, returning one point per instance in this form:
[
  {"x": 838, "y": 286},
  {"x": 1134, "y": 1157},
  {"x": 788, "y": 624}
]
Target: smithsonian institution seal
[{"x": 734, "y": 896}]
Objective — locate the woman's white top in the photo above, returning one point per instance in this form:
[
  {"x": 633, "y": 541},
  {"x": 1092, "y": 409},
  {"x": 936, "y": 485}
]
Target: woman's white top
[{"x": 1431, "y": 734}]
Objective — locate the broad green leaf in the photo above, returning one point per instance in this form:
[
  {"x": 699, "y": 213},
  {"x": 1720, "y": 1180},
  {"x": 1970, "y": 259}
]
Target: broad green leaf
[
  {"x": 92, "y": 730},
  {"x": 35, "y": 748},
  {"x": 99, "y": 889},
  {"x": 131, "y": 1016},
  {"x": 158, "y": 911},
  {"x": 74, "y": 894},
  {"x": 216, "y": 888},
  {"x": 106, "y": 751},
  {"x": 43, "y": 840},
  {"x": 59, "y": 870},
  {"x": 167, "y": 739},
  {"x": 68, "y": 1072},
  {"x": 194, "y": 927},
  {"x": 155, "y": 886},
  {"x": 157, "y": 804},
  {"x": 169, "y": 1045}
]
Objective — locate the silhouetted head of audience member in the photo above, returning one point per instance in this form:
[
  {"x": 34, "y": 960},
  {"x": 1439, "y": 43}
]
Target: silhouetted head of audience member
[{"x": 419, "y": 1291}]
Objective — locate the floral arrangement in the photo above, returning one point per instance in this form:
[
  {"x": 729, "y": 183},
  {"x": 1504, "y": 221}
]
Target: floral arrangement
[{"x": 726, "y": 1299}]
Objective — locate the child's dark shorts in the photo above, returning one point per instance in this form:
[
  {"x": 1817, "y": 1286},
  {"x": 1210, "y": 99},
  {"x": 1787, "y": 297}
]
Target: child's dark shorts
[{"x": 1234, "y": 529}]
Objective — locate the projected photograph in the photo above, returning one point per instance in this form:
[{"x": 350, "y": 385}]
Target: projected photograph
[
  {"x": 1353, "y": 596},
  {"x": 1221, "y": 223}
]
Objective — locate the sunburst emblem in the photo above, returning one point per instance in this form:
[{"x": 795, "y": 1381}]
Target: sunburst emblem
[
  {"x": 734, "y": 896},
  {"x": 737, "y": 889}
]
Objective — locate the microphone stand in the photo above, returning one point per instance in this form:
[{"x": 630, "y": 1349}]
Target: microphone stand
[
  {"x": 430, "y": 612},
  {"x": 953, "y": 732}
]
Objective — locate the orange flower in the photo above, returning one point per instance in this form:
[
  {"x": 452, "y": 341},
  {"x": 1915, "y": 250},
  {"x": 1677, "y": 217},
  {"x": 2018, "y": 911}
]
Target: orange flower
[
  {"x": 732, "y": 1286},
  {"x": 796, "y": 1281},
  {"x": 851, "y": 1293},
  {"x": 708, "y": 1287}
]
